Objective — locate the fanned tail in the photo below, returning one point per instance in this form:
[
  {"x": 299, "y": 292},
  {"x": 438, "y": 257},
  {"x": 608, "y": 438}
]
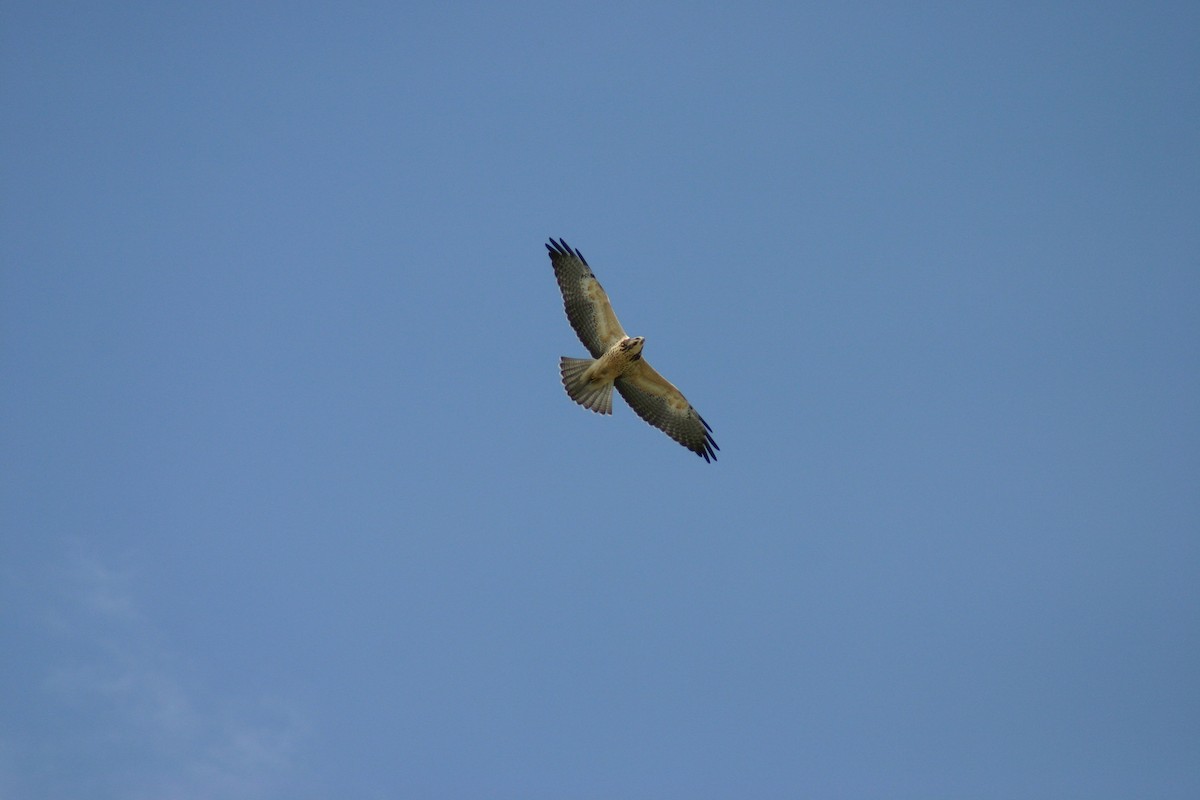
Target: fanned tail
[{"x": 596, "y": 395}]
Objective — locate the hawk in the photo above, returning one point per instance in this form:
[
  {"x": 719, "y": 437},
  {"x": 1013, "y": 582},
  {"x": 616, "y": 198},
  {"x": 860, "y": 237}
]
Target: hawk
[{"x": 617, "y": 360}]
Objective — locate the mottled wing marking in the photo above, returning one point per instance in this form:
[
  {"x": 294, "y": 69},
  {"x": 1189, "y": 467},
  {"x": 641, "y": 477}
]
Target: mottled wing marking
[
  {"x": 658, "y": 402},
  {"x": 588, "y": 308}
]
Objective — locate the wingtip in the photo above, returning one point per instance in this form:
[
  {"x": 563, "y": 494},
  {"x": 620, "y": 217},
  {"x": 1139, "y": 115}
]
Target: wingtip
[
  {"x": 560, "y": 247},
  {"x": 707, "y": 449}
]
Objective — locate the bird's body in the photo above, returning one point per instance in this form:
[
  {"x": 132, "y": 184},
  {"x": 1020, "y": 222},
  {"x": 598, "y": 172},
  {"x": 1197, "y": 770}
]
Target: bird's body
[
  {"x": 617, "y": 360},
  {"x": 621, "y": 358},
  {"x": 590, "y": 381}
]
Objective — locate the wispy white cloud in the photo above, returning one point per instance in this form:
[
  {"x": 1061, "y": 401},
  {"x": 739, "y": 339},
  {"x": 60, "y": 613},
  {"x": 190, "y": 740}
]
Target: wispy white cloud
[{"x": 135, "y": 724}]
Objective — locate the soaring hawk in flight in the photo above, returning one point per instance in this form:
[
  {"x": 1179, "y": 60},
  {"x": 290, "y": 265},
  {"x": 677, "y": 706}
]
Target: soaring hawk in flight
[{"x": 617, "y": 360}]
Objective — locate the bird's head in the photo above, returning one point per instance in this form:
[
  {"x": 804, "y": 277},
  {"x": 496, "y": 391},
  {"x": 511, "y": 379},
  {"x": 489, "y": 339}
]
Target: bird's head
[{"x": 633, "y": 346}]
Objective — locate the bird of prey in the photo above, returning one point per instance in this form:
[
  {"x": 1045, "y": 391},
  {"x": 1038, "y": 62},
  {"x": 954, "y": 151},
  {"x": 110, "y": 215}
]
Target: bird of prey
[{"x": 617, "y": 360}]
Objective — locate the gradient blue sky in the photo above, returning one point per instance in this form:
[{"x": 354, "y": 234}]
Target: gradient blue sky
[{"x": 294, "y": 505}]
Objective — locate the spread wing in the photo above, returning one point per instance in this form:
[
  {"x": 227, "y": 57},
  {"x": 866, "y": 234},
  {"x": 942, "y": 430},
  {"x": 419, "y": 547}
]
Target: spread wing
[
  {"x": 662, "y": 405},
  {"x": 587, "y": 305}
]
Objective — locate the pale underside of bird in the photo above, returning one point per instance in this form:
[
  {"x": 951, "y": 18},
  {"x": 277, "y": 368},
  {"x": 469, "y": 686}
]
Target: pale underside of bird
[{"x": 617, "y": 360}]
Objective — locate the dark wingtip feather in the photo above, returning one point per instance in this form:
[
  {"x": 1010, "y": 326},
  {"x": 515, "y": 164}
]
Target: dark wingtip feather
[
  {"x": 706, "y": 449},
  {"x": 561, "y": 248}
]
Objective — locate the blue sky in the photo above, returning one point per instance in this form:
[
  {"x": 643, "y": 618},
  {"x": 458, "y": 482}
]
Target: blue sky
[{"x": 295, "y": 506}]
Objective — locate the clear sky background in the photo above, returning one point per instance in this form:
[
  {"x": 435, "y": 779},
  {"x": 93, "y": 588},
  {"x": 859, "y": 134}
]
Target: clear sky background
[{"x": 294, "y": 505}]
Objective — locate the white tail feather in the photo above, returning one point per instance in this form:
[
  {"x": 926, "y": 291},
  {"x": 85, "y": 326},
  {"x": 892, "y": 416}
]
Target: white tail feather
[{"x": 596, "y": 395}]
